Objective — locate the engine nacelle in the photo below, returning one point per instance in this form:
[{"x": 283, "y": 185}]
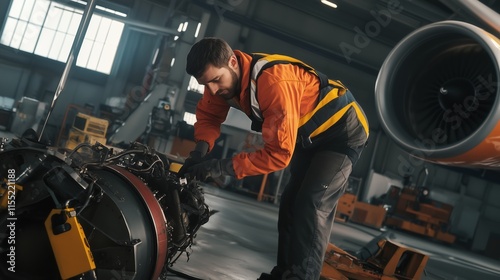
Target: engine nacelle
[{"x": 437, "y": 95}]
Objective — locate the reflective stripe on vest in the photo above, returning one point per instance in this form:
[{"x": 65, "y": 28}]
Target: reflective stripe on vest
[
  {"x": 261, "y": 62},
  {"x": 330, "y": 108}
]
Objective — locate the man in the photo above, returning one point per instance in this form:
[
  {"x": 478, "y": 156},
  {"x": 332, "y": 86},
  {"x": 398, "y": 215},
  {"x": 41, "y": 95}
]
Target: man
[{"x": 308, "y": 121}]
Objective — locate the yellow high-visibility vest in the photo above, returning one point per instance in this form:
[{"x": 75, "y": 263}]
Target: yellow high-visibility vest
[{"x": 334, "y": 99}]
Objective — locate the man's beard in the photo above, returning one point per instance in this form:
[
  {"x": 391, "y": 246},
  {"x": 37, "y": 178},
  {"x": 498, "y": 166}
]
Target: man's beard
[{"x": 235, "y": 88}]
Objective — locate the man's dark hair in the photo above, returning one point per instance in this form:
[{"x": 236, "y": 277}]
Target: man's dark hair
[{"x": 207, "y": 51}]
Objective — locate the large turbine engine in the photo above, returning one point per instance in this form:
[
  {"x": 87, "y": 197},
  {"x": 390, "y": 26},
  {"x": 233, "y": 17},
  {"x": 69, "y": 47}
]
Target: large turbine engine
[{"x": 437, "y": 95}]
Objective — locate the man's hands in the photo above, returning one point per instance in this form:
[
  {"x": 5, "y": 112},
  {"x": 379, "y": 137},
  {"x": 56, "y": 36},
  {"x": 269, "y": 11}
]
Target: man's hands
[
  {"x": 197, "y": 166},
  {"x": 195, "y": 157},
  {"x": 212, "y": 168}
]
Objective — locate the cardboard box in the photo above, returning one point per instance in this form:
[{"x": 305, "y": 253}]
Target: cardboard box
[
  {"x": 368, "y": 214},
  {"x": 345, "y": 206}
]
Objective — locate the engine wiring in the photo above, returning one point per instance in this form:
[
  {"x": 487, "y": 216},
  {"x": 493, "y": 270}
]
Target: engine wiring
[{"x": 151, "y": 167}]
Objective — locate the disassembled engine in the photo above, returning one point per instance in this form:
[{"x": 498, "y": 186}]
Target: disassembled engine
[{"x": 93, "y": 212}]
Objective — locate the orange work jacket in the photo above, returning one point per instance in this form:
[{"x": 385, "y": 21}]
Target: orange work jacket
[{"x": 287, "y": 96}]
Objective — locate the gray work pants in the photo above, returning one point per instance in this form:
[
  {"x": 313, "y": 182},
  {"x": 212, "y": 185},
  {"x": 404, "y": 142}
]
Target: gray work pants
[{"x": 307, "y": 211}]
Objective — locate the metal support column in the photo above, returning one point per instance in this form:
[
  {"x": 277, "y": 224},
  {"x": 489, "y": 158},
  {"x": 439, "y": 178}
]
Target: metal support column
[{"x": 75, "y": 49}]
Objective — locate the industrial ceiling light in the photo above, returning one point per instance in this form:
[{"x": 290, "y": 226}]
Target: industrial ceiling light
[{"x": 329, "y": 4}]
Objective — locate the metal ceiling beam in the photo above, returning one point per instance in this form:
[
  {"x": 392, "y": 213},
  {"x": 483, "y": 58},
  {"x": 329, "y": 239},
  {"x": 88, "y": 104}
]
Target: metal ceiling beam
[{"x": 282, "y": 35}]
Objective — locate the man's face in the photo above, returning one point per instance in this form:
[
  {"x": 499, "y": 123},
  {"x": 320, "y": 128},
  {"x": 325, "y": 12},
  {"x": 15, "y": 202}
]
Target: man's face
[{"x": 222, "y": 81}]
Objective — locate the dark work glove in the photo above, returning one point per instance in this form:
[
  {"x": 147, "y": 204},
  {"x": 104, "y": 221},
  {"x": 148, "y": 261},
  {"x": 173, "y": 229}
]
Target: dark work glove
[
  {"x": 195, "y": 157},
  {"x": 211, "y": 169}
]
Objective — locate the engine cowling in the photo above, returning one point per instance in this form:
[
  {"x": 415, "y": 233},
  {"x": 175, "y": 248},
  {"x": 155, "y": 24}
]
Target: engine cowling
[{"x": 437, "y": 95}]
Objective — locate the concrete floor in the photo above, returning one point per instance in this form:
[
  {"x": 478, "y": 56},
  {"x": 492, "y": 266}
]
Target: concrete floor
[{"x": 239, "y": 242}]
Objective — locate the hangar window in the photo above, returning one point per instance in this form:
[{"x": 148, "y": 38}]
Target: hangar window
[
  {"x": 194, "y": 86},
  {"x": 193, "y": 95},
  {"x": 189, "y": 118},
  {"x": 48, "y": 29}
]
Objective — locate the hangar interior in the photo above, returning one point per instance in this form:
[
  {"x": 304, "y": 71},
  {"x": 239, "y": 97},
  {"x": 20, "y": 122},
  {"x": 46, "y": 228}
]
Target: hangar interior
[{"x": 129, "y": 75}]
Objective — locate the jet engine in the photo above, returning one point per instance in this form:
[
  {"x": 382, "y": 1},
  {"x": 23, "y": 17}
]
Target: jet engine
[
  {"x": 437, "y": 95},
  {"x": 93, "y": 212}
]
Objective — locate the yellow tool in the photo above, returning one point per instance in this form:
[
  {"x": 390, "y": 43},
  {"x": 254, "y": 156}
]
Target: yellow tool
[
  {"x": 69, "y": 244},
  {"x": 175, "y": 167}
]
